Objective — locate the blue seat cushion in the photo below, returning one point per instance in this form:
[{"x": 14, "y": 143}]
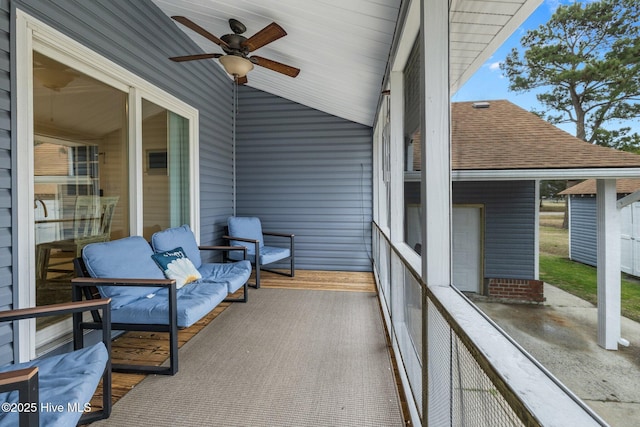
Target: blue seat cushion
[
  {"x": 268, "y": 254},
  {"x": 247, "y": 227},
  {"x": 65, "y": 379},
  {"x": 172, "y": 238},
  {"x": 195, "y": 300},
  {"x": 234, "y": 274},
  {"x": 127, "y": 258}
]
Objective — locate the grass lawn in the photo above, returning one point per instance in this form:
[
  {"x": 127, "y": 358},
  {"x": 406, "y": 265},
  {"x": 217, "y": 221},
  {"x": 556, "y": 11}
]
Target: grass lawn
[{"x": 576, "y": 278}]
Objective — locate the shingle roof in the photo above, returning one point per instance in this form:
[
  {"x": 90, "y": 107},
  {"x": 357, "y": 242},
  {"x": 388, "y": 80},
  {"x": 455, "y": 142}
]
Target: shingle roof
[
  {"x": 623, "y": 186},
  {"x": 505, "y": 136}
]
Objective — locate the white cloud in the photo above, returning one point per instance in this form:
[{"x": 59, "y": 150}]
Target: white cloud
[{"x": 494, "y": 66}]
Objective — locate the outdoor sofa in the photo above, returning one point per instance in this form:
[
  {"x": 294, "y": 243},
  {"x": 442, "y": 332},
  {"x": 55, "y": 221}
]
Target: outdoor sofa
[{"x": 130, "y": 272}]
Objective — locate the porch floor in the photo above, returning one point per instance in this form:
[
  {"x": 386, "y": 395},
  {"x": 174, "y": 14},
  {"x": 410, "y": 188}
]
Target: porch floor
[{"x": 151, "y": 347}]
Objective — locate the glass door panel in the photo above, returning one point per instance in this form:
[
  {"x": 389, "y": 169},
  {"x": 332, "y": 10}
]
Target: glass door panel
[
  {"x": 80, "y": 172},
  {"x": 165, "y": 182}
]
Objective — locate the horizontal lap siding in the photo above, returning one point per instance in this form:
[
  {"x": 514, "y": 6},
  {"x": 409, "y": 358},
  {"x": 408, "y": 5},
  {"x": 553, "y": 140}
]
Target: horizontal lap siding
[
  {"x": 309, "y": 173},
  {"x": 140, "y": 37},
  {"x": 6, "y": 280},
  {"x": 583, "y": 235},
  {"x": 509, "y": 227}
]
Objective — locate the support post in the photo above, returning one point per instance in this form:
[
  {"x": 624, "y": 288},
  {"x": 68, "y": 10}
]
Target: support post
[
  {"x": 608, "y": 260},
  {"x": 435, "y": 197}
]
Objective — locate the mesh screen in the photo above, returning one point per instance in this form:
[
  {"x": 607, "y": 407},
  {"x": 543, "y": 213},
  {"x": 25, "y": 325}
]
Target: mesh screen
[{"x": 459, "y": 389}]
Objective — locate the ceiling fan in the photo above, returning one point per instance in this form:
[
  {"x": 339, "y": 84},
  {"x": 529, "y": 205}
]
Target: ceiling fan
[{"x": 236, "y": 60}]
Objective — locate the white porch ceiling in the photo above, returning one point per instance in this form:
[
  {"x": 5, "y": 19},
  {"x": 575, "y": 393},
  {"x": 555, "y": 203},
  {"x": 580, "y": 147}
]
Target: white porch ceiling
[{"x": 342, "y": 46}]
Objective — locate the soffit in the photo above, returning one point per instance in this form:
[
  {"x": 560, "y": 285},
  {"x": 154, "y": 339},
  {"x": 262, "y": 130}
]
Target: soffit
[{"x": 343, "y": 47}]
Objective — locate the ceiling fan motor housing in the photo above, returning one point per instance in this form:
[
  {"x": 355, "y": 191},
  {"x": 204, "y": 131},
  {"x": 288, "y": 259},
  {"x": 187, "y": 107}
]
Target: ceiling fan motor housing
[{"x": 234, "y": 45}]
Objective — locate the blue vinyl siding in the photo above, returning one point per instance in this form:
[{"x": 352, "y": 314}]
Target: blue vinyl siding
[
  {"x": 139, "y": 37},
  {"x": 7, "y": 281},
  {"x": 309, "y": 173},
  {"x": 509, "y": 227},
  {"x": 583, "y": 235}
]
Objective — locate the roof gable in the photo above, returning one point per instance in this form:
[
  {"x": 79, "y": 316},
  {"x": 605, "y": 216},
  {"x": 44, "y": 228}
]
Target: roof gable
[
  {"x": 623, "y": 186},
  {"x": 505, "y": 136}
]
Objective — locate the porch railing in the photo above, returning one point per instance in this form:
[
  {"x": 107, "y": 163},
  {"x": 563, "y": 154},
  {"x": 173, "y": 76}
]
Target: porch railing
[{"x": 457, "y": 366}]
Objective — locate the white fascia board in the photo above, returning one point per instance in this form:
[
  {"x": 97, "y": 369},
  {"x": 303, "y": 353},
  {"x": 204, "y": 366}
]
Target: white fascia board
[{"x": 544, "y": 174}]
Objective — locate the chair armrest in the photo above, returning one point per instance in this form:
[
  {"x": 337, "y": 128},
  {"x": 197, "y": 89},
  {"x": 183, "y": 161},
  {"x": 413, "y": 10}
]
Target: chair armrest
[
  {"x": 54, "y": 309},
  {"x": 26, "y": 383},
  {"x": 94, "y": 281},
  {"x": 7, "y": 379},
  {"x": 271, "y": 233},
  {"x": 241, "y": 239}
]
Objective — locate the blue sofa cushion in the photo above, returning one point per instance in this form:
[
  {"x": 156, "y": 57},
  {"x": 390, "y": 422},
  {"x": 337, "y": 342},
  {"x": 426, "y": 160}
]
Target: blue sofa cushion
[
  {"x": 127, "y": 258},
  {"x": 183, "y": 237},
  {"x": 268, "y": 254},
  {"x": 194, "y": 302},
  {"x": 176, "y": 265},
  {"x": 66, "y": 381},
  {"x": 233, "y": 275},
  {"x": 247, "y": 227}
]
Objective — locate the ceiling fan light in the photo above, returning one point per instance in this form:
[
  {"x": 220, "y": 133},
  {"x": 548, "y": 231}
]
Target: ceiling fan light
[{"x": 237, "y": 66}]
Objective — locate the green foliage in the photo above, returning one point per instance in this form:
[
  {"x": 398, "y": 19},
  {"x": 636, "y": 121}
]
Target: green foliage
[
  {"x": 550, "y": 189},
  {"x": 586, "y": 61},
  {"x": 581, "y": 280}
]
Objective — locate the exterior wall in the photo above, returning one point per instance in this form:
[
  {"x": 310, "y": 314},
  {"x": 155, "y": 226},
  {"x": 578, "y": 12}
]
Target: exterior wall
[
  {"x": 583, "y": 234},
  {"x": 309, "y": 173},
  {"x": 509, "y": 228},
  {"x": 7, "y": 281},
  {"x": 139, "y": 37},
  {"x": 516, "y": 290}
]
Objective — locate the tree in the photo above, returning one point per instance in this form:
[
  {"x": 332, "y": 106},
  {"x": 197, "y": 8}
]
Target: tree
[{"x": 587, "y": 61}]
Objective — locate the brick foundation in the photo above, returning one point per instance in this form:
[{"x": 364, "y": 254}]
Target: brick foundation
[{"x": 516, "y": 290}]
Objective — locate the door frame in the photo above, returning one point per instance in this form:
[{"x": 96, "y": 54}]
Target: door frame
[{"x": 33, "y": 34}]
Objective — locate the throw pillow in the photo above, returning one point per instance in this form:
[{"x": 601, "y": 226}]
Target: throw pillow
[{"x": 176, "y": 265}]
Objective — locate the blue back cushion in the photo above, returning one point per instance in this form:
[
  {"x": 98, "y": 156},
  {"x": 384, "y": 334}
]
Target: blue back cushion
[
  {"x": 183, "y": 237},
  {"x": 128, "y": 258},
  {"x": 247, "y": 227}
]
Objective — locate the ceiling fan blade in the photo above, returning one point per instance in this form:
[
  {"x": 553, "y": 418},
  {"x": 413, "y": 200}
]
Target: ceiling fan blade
[
  {"x": 265, "y": 36},
  {"x": 198, "y": 29},
  {"x": 275, "y": 66},
  {"x": 194, "y": 57},
  {"x": 242, "y": 80}
]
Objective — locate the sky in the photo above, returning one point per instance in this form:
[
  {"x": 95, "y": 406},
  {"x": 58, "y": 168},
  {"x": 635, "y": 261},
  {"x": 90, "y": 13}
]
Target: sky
[{"x": 489, "y": 82}]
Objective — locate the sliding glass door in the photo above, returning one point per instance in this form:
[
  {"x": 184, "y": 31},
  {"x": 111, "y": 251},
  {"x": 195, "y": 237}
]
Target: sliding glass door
[
  {"x": 80, "y": 178},
  {"x": 107, "y": 155},
  {"x": 165, "y": 146}
]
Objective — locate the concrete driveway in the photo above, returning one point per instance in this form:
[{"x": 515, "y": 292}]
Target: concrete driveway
[{"x": 561, "y": 334}]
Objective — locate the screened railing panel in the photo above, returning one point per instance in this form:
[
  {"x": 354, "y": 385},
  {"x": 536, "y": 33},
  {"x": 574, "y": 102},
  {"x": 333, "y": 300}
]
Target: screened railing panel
[{"x": 474, "y": 374}]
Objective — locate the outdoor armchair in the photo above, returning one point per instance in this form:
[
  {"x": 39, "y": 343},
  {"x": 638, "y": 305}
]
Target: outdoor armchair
[
  {"x": 247, "y": 232},
  {"x": 57, "y": 390}
]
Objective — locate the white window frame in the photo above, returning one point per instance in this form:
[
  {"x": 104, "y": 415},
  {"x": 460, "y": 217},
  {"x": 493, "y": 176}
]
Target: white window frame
[{"x": 32, "y": 34}]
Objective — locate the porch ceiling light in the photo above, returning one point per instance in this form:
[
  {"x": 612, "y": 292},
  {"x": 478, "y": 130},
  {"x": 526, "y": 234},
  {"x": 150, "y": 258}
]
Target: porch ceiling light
[{"x": 237, "y": 66}]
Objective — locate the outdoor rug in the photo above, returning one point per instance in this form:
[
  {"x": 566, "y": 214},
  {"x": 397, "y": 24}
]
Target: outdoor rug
[{"x": 285, "y": 358}]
